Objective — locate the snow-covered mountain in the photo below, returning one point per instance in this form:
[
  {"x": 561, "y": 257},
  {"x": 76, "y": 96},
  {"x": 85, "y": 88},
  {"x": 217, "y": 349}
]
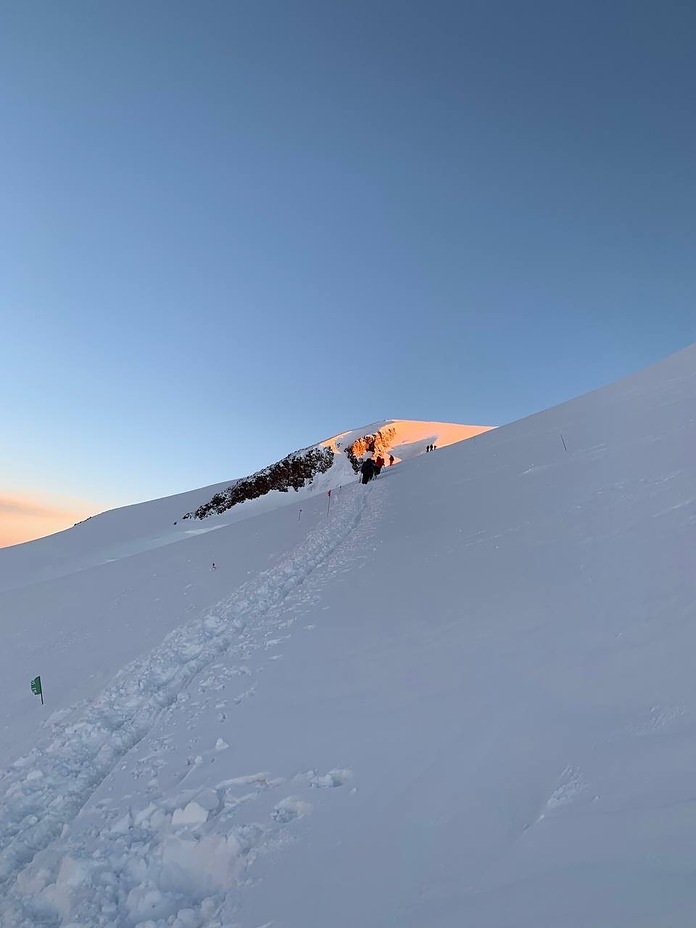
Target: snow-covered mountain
[
  {"x": 129, "y": 530},
  {"x": 460, "y": 695}
]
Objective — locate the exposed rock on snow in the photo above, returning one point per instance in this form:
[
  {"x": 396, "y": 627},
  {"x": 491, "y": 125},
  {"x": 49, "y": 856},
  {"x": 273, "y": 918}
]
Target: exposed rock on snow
[{"x": 293, "y": 472}]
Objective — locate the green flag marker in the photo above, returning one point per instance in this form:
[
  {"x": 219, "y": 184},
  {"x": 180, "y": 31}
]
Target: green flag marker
[{"x": 36, "y": 688}]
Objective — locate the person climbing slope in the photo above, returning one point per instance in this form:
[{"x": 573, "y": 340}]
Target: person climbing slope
[{"x": 367, "y": 469}]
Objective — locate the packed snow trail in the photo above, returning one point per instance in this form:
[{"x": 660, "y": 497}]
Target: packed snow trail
[{"x": 44, "y": 791}]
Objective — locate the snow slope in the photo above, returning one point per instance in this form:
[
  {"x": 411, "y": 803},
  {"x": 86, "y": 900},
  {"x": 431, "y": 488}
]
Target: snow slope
[
  {"x": 130, "y": 530},
  {"x": 462, "y": 696}
]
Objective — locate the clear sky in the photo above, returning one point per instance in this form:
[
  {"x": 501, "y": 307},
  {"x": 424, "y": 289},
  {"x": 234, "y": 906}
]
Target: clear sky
[{"x": 230, "y": 229}]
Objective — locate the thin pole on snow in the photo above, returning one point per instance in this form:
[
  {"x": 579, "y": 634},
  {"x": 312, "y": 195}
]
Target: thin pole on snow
[
  {"x": 563, "y": 440},
  {"x": 328, "y": 508}
]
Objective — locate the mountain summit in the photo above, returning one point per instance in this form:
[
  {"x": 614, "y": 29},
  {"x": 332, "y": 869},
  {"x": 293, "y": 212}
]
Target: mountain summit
[{"x": 336, "y": 461}]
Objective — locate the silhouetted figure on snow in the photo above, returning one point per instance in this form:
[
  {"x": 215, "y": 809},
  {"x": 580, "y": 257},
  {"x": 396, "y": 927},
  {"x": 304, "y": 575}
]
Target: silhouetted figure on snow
[
  {"x": 391, "y": 459},
  {"x": 367, "y": 469}
]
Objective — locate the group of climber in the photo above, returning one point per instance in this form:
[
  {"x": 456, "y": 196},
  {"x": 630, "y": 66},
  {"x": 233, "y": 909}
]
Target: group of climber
[{"x": 371, "y": 467}]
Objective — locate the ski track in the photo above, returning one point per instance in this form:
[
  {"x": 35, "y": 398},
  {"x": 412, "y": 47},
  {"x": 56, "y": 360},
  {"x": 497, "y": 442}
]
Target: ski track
[{"x": 42, "y": 793}]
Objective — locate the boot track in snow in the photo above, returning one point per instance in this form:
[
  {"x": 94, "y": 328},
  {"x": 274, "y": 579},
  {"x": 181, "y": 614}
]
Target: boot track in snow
[{"x": 41, "y": 793}]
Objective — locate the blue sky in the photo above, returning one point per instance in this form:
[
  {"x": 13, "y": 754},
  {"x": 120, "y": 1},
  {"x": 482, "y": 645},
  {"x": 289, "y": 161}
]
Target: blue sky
[{"x": 230, "y": 229}]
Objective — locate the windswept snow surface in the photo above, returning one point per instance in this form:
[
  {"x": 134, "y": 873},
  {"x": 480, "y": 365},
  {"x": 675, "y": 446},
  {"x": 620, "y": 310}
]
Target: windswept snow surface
[{"x": 464, "y": 695}]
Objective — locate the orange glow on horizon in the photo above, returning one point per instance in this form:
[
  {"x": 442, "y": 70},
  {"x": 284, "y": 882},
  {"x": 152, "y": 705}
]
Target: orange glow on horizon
[{"x": 25, "y": 516}]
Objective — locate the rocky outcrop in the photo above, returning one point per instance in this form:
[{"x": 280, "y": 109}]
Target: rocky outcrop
[
  {"x": 293, "y": 472},
  {"x": 379, "y": 442}
]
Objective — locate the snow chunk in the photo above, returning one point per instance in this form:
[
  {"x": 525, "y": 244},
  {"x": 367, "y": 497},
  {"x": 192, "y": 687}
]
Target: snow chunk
[
  {"x": 147, "y": 901},
  {"x": 142, "y": 818},
  {"x": 330, "y": 780},
  {"x": 202, "y": 867},
  {"x": 121, "y": 826},
  {"x": 191, "y": 814},
  {"x": 187, "y": 918},
  {"x": 291, "y": 808},
  {"x": 71, "y": 876},
  {"x": 208, "y": 799}
]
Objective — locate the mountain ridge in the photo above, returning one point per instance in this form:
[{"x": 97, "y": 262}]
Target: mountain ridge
[
  {"x": 400, "y": 438},
  {"x": 128, "y": 530}
]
